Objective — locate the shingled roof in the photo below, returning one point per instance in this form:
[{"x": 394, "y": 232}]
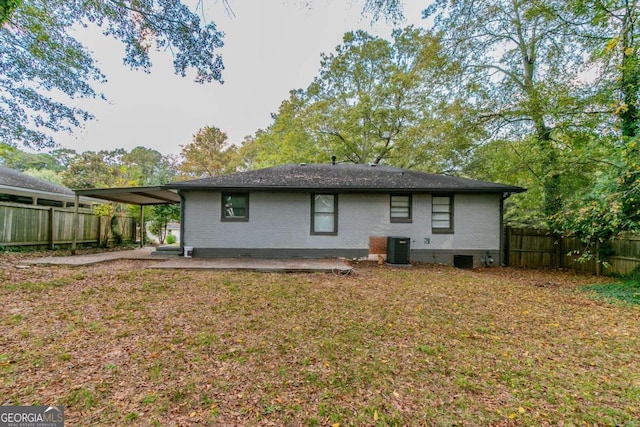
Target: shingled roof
[
  {"x": 13, "y": 178},
  {"x": 342, "y": 177}
]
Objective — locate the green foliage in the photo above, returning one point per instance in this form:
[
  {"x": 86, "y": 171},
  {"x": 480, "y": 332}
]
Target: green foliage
[
  {"x": 7, "y": 7},
  {"x": 209, "y": 154},
  {"x": 611, "y": 206},
  {"x": 287, "y": 140},
  {"x": 40, "y": 56},
  {"x": 374, "y": 101},
  {"x": 45, "y": 175},
  {"x": 89, "y": 170},
  {"x": 118, "y": 168},
  {"x": 611, "y": 35},
  {"x": 14, "y": 158},
  {"x": 627, "y": 290},
  {"x": 142, "y": 165},
  {"x": 105, "y": 212},
  {"x": 160, "y": 217},
  {"x": 171, "y": 239},
  {"x": 520, "y": 69}
]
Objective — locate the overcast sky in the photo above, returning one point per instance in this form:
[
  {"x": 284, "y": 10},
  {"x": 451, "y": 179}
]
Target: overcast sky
[{"x": 271, "y": 47}]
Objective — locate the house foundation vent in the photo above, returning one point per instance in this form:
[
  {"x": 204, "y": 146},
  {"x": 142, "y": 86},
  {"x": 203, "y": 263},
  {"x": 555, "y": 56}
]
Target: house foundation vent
[
  {"x": 398, "y": 250},
  {"x": 463, "y": 261}
]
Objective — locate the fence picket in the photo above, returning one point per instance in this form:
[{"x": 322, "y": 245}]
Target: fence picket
[
  {"x": 536, "y": 248},
  {"x": 30, "y": 225}
]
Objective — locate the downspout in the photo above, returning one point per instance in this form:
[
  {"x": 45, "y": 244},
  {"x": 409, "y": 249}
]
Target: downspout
[
  {"x": 503, "y": 255},
  {"x": 182, "y": 205}
]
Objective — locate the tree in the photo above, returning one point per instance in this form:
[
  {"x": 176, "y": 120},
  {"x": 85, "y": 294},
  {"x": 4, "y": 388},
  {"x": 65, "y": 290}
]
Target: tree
[
  {"x": 14, "y": 158},
  {"x": 371, "y": 93},
  {"x": 521, "y": 65},
  {"x": 288, "y": 139},
  {"x": 610, "y": 207},
  {"x": 610, "y": 30},
  {"x": 89, "y": 170},
  {"x": 40, "y": 56},
  {"x": 144, "y": 166},
  {"x": 116, "y": 168},
  {"x": 7, "y": 7},
  {"x": 209, "y": 154},
  {"x": 45, "y": 175},
  {"x": 161, "y": 216},
  {"x": 374, "y": 101}
]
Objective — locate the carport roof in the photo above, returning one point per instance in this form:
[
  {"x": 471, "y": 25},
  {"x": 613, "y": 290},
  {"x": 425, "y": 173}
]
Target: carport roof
[{"x": 133, "y": 195}]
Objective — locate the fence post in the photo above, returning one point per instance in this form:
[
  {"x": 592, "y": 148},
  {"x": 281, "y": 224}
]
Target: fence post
[
  {"x": 558, "y": 241},
  {"x": 74, "y": 231},
  {"x": 507, "y": 246},
  {"x": 99, "y": 231},
  {"x": 51, "y": 229}
]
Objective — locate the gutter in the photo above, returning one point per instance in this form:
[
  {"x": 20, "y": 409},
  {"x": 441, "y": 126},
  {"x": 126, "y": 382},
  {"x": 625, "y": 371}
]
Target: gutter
[{"x": 343, "y": 189}]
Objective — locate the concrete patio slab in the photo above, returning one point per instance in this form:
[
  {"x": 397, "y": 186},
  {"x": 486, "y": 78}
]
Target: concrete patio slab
[
  {"x": 257, "y": 264},
  {"x": 178, "y": 262}
]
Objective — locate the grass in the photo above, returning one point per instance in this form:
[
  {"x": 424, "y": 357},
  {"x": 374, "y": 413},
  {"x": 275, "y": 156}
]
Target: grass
[
  {"x": 627, "y": 290},
  {"x": 120, "y": 345}
]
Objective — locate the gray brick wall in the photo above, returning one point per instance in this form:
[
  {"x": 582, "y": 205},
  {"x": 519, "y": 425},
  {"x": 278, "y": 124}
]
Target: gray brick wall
[{"x": 282, "y": 220}]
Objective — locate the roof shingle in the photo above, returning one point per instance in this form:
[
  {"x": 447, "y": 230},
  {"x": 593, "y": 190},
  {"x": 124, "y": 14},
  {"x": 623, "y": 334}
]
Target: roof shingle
[
  {"x": 343, "y": 177},
  {"x": 13, "y": 178}
]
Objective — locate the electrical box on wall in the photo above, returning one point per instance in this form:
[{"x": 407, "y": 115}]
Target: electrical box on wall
[{"x": 427, "y": 240}]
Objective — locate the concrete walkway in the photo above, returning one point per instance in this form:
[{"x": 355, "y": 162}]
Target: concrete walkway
[{"x": 179, "y": 262}]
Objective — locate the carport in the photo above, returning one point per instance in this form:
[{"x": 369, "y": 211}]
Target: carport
[{"x": 141, "y": 196}]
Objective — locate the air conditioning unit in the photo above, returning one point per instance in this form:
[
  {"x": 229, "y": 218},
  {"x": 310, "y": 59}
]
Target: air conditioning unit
[{"x": 398, "y": 250}]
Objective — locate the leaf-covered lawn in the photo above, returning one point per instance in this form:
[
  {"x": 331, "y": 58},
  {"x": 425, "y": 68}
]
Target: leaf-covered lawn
[{"x": 118, "y": 344}]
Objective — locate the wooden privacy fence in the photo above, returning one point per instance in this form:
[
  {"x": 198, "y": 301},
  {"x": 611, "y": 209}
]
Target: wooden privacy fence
[
  {"x": 30, "y": 225},
  {"x": 529, "y": 247}
]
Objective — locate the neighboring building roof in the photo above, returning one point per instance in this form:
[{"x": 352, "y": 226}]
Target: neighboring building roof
[
  {"x": 343, "y": 177},
  {"x": 13, "y": 178}
]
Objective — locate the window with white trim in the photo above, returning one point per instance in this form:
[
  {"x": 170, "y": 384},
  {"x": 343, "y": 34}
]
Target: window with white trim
[{"x": 324, "y": 214}]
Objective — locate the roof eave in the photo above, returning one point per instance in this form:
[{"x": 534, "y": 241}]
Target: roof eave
[{"x": 431, "y": 190}]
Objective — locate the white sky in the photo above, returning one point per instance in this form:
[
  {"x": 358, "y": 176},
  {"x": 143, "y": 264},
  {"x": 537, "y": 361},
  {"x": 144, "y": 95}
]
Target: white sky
[{"x": 271, "y": 47}]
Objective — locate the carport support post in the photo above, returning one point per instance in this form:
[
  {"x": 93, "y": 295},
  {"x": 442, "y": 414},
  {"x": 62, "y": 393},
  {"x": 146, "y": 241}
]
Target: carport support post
[
  {"x": 142, "y": 229},
  {"x": 74, "y": 231}
]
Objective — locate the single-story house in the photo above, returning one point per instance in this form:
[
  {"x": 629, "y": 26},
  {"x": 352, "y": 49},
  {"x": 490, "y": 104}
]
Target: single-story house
[
  {"x": 342, "y": 210},
  {"x": 18, "y": 187}
]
